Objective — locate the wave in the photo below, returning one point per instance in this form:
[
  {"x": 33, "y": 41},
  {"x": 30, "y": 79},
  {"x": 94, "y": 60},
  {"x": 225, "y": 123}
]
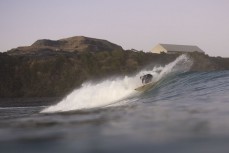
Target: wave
[{"x": 95, "y": 95}]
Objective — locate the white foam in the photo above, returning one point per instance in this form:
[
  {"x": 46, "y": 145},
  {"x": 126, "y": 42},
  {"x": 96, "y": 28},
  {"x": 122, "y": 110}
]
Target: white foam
[{"x": 93, "y": 95}]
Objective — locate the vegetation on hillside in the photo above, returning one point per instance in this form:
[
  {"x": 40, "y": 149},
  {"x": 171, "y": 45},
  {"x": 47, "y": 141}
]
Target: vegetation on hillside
[
  {"x": 57, "y": 75},
  {"x": 53, "y": 68}
]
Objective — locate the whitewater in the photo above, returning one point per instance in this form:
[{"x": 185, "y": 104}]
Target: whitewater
[
  {"x": 110, "y": 91},
  {"x": 184, "y": 112}
]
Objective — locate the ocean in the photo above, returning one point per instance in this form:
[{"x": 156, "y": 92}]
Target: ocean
[{"x": 184, "y": 112}]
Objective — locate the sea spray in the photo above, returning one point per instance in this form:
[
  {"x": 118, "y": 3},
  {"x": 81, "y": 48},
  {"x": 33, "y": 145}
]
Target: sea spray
[
  {"x": 181, "y": 65},
  {"x": 94, "y": 95}
]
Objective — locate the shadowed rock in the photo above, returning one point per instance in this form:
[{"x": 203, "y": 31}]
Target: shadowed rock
[
  {"x": 73, "y": 44},
  {"x": 51, "y": 68}
]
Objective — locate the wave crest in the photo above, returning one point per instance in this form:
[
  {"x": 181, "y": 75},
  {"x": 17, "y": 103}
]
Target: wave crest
[{"x": 93, "y": 95}]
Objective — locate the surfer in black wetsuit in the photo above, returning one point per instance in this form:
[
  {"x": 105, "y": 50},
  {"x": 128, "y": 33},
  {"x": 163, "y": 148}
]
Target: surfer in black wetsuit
[{"x": 146, "y": 78}]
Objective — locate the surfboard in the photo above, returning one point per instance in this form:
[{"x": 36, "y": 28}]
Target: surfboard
[{"x": 145, "y": 87}]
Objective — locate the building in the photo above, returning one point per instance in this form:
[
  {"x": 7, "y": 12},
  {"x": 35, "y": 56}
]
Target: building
[{"x": 174, "y": 49}]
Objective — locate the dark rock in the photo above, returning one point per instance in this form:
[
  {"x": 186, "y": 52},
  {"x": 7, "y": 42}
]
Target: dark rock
[
  {"x": 50, "y": 68},
  {"x": 203, "y": 62},
  {"x": 73, "y": 44},
  {"x": 58, "y": 74}
]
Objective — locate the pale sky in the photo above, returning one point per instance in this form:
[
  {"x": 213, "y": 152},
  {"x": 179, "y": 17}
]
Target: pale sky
[{"x": 138, "y": 24}]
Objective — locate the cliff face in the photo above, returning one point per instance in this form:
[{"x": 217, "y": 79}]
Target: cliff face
[
  {"x": 203, "y": 62},
  {"x": 50, "y": 68},
  {"x": 73, "y": 44},
  {"x": 50, "y": 76}
]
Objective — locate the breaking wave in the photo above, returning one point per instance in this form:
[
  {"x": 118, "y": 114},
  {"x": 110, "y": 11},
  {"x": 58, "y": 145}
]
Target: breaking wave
[{"x": 95, "y": 95}]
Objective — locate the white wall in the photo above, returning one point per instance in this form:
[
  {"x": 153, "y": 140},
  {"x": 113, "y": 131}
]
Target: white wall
[{"x": 158, "y": 49}]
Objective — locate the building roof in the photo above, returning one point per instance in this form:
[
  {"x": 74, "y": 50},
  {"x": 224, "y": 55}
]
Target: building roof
[{"x": 181, "y": 48}]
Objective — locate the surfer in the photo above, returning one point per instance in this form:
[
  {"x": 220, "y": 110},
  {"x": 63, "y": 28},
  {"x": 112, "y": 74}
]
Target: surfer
[{"x": 146, "y": 78}]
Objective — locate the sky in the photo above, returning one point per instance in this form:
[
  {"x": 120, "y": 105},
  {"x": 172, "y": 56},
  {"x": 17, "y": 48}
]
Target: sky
[{"x": 133, "y": 24}]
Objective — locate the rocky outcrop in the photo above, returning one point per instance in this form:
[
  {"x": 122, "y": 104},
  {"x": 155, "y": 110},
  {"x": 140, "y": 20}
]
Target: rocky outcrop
[
  {"x": 51, "y": 68},
  {"x": 73, "y": 44},
  {"x": 57, "y": 75},
  {"x": 203, "y": 62}
]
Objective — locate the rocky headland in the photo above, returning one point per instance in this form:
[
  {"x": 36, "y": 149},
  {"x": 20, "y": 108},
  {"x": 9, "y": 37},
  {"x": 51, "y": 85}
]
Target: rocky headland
[{"x": 53, "y": 68}]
